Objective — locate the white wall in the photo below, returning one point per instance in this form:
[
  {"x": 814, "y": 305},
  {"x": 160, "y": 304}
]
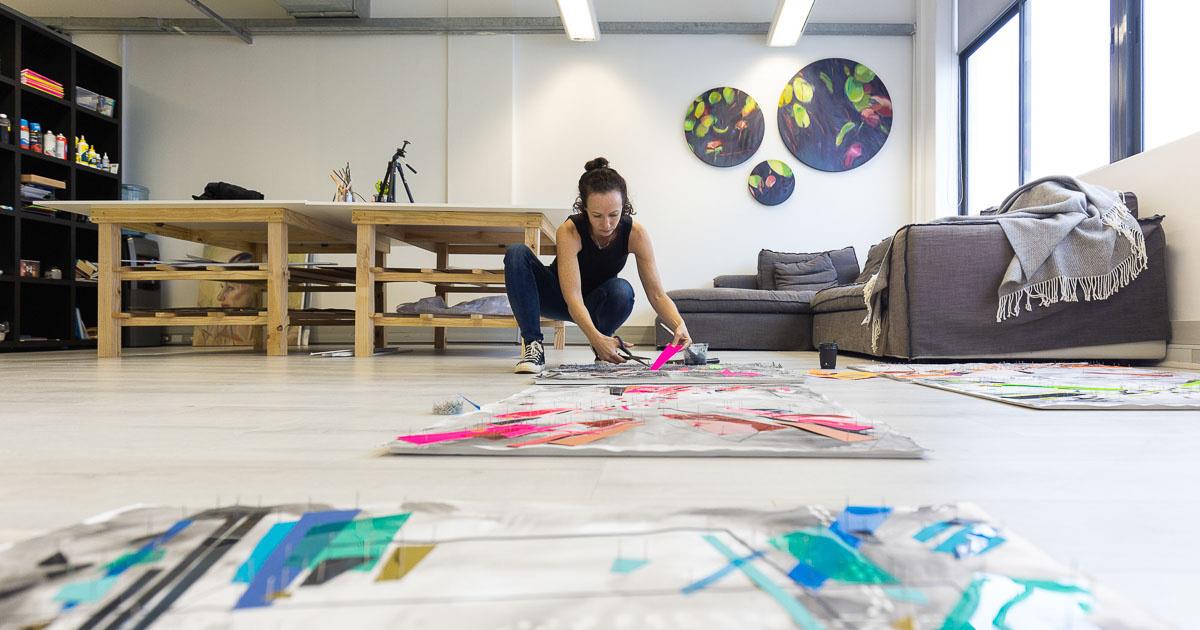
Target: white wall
[
  {"x": 624, "y": 98},
  {"x": 278, "y": 115},
  {"x": 1161, "y": 179}
]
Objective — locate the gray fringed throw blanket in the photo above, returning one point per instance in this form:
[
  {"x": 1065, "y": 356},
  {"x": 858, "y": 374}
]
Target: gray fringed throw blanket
[{"x": 1068, "y": 239}]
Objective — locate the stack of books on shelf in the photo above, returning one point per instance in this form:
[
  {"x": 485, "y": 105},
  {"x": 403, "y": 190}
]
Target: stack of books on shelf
[
  {"x": 41, "y": 83},
  {"x": 86, "y": 270}
]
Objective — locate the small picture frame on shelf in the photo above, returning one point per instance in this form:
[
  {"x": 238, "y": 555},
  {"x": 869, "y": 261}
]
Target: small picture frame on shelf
[{"x": 29, "y": 269}]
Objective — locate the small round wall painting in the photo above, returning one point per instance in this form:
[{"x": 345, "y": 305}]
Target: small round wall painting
[
  {"x": 724, "y": 126},
  {"x": 835, "y": 114},
  {"x": 771, "y": 182}
]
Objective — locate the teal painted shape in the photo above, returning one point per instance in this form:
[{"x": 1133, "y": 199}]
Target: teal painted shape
[
  {"x": 789, "y": 602},
  {"x": 904, "y": 594},
  {"x": 828, "y": 555},
  {"x": 1078, "y": 600},
  {"x": 628, "y": 565},
  {"x": 364, "y": 538},
  {"x": 262, "y": 551},
  {"x": 85, "y": 592}
]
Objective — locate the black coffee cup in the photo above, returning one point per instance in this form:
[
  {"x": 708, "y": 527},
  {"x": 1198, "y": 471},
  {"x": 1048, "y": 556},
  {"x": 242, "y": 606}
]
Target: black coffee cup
[{"x": 828, "y": 355}]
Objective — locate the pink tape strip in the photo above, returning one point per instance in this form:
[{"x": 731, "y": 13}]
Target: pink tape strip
[{"x": 666, "y": 355}]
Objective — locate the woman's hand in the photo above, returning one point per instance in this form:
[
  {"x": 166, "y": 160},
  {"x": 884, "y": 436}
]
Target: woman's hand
[
  {"x": 682, "y": 338},
  {"x": 607, "y": 348}
]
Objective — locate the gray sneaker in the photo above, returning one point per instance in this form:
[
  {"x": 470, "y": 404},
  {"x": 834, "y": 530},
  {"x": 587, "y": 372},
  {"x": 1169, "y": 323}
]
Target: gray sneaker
[{"x": 533, "y": 358}]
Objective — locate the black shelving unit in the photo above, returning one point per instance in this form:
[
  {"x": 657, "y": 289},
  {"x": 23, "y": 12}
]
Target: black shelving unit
[{"x": 41, "y": 308}]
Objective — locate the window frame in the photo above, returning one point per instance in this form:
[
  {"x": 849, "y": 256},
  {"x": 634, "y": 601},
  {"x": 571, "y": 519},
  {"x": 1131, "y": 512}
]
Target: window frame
[{"x": 1126, "y": 96}]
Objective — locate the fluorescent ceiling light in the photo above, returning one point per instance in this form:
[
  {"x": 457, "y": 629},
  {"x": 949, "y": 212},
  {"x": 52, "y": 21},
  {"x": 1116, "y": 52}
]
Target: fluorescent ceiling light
[
  {"x": 579, "y": 19},
  {"x": 790, "y": 17}
]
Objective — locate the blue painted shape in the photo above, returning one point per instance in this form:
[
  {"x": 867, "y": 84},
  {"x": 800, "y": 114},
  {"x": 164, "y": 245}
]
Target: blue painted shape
[
  {"x": 262, "y": 551},
  {"x": 716, "y": 576},
  {"x": 794, "y": 608},
  {"x": 847, "y": 537},
  {"x": 807, "y": 576},
  {"x": 118, "y": 567},
  {"x": 926, "y": 534},
  {"x": 628, "y": 565},
  {"x": 84, "y": 592},
  {"x": 862, "y": 518},
  {"x": 963, "y": 543},
  {"x": 278, "y": 571}
]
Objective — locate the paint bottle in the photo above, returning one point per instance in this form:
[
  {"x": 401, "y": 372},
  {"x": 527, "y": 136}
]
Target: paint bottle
[
  {"x": 50, "y": 143},
  {"x": 62, "y": 147},
  {"x": 24, "y": 134},
  {"x": 35, "y": 137},
  {"x": 104, "y": 162}
]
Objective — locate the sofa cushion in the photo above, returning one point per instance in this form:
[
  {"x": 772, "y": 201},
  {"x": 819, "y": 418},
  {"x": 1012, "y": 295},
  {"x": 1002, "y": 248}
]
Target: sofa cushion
[
  {"x": 844, "y": 260},
  {"x": 874, "y": 259},
  {"x": 736, "y": 281},
  {"x": 810, "y": 275},
  {"x": 848, "y": 297},
  {"x": 741, "y": 301}
]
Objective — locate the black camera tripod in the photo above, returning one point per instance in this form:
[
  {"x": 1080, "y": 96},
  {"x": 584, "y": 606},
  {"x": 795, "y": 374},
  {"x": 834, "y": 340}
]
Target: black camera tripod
[{"x": 397, "y": 165}]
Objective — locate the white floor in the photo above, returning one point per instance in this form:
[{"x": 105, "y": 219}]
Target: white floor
[{"x": 1113, "y": 493}]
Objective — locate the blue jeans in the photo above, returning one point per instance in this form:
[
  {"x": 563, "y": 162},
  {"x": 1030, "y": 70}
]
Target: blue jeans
[{"x": 534, "y": 293}]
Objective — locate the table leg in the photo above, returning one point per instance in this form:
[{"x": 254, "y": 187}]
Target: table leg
[
  {"x": 443, "y": 261},
  {"x": 380, "y": 301},
  {"x": 258, "y": 334},
  {"x": 364, "y": 292},
  {"x": 533, "y": 238},
  {"x": 108, "y": 302},
  {"x": 277, "y": 289}
]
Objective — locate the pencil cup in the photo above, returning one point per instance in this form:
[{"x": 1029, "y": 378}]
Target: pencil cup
[{"x": 828, "y": 356}]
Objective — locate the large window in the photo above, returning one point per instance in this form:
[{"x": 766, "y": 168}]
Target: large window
[
  {"x": 1068, "y": 86},
  {"x": 1051, "y": 89},
  {"x": 1169, "y": 62},
  {"x": 993, "y": 117}
]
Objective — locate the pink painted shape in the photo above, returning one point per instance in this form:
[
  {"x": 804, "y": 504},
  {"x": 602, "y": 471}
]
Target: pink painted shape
[
  {"x": 530, "y": 413},
  {"x": 502, "y": 430},
  {"x": 434, "y": 438},
  {"x": 728, "y": 372},
  {"x": 666, "y": 355}
]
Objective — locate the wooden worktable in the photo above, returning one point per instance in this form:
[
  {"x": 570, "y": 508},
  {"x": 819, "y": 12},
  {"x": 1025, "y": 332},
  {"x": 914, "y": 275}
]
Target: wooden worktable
[
  {"x": 273, "y": 229},
  {"x": 445, "y": 230}
]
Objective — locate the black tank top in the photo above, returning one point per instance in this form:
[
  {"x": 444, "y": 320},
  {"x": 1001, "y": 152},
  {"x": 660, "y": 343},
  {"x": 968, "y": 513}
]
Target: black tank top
[{"x": 597, "y": 266}]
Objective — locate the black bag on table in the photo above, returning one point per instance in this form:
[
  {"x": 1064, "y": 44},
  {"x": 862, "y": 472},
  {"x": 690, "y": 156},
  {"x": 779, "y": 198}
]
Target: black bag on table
[{"x": 225, "y": 190}]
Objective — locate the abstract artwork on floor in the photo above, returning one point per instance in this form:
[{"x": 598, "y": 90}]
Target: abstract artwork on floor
[
  {"x": 834, "y": 114},
  {"x": 771, "y": 182},
  {"x": 769, "y": 420},
  {"x": 673, "y": 373},
  {"x": 1056, "y": 385},
  {"x": 450, "y": 565},
  {"x": 724, "y": 126}
]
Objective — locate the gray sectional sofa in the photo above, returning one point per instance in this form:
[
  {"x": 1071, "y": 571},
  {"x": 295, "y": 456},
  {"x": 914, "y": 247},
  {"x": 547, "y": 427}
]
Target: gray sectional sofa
[{"x": 940, "y": 304}]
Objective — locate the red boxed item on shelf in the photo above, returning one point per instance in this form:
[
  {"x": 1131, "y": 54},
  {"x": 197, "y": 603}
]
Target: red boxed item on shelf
[{"x": 41, "y": 83}]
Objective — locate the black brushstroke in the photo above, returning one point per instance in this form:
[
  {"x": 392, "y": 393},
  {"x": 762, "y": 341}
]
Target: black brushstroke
[
  {"x": 176, "y": 571},
  {"x": 331, "y": 568},
  {"x": 116, "y": 602},
  {"x": 218, "y": 550}
]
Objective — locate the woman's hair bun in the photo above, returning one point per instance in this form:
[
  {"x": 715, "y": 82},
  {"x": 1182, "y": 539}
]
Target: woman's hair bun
[{"x": 595, "y": 164}]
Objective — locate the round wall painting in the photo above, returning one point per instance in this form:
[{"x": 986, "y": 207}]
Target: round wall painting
[
  {"x": 771, "y": 182},
  {"x": 724, "y": 126},
  {"x": 835, "y": 114}
]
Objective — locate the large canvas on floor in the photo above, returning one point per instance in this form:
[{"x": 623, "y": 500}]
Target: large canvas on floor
[
  {"x": 673, "y": 373},
  {"x": 445, "y": 565},
  {"x": 662, "y": 420},
  {"x": 1056, "y": 385}
]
